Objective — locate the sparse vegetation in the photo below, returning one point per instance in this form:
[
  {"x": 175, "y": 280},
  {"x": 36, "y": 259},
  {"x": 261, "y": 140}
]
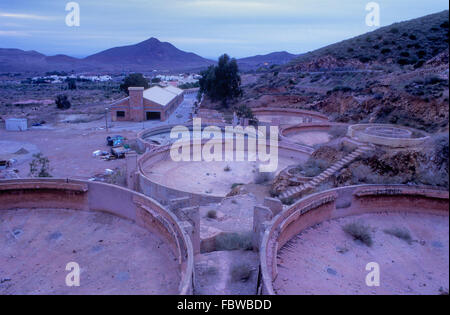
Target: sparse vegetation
[
  {"x": 262, "y": 178},
  {"x": 40, "y": 166},
  {"x": 234, "y": 241},
  {"x": 400, "y": 233},
  {"x": 359, "y": 232},
  {"x": 241, "y": 272}
]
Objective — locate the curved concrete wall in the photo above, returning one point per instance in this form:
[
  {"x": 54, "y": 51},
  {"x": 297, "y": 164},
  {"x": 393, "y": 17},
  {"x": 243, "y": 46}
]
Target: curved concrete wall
[
  {"x": 342, "y": 202},
  {"x": 267, "y": 111},
  {"x": 94, "y": 196},
  {"x": 164, "y": 194},
  {"x": 358, "y": 133}
]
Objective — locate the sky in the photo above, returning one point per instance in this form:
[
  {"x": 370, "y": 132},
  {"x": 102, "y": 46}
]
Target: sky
[{"x": 209, "y": 28}]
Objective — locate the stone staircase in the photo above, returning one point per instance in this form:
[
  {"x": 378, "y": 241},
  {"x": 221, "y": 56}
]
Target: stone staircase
[{"x": 298, "y": 191}]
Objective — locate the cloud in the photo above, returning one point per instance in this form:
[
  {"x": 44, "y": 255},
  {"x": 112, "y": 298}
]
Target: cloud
[
  {"x": 25, "y": 16},
  {"x": 14, "y": 33}
]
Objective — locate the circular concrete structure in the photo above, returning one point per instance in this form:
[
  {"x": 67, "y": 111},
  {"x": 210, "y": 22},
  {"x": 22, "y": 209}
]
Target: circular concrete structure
[
  {"x": 287, "y": 116},
  {"x": 308, "y": 134},
  {"x": 387, "y": 135},
  {"x": 203, "y": 181},
  {"x": 123, "y": 242},
  {"x": 292, "y": 264},
  {"x": 160, "y": 136}
]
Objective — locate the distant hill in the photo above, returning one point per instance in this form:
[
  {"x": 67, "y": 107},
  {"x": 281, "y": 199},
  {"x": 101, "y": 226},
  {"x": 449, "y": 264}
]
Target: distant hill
[
  {"x": 144, "y": 57},
  {"x": 147, "y": 56},
  {"x": 255, "y": 62},
  {"x": 16, "y": 60},
  {"x": 410, "y": 42}
]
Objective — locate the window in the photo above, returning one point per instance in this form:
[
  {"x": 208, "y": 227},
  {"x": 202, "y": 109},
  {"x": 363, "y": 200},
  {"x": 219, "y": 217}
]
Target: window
[
  {"x": 153, "y": 115},
  {"x": 120, "y": 114}
]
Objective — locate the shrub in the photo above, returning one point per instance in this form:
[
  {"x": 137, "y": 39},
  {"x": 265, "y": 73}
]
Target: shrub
[
  {"x": 212, "y": 214},
  {"x": 261, "y": 178},
  {"x": 234, "y": 241},
  {"x": 241, "y": 272},
  {"x": 314, "y": 167},
  {"x": 62, "y": 102},
  {"x": 359, "y": 232},
  {"x": 400, "y": 233},
  {"x": 40, "y": 166}
]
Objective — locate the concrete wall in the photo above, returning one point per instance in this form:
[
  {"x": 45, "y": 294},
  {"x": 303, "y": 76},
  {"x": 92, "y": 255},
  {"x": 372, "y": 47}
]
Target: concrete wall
[
  {"x": 267, "y": 111},
  {"x": 94, "y": 196},
  {"x": 358, "y": 133},
  {"x": 342, "y": 202}
]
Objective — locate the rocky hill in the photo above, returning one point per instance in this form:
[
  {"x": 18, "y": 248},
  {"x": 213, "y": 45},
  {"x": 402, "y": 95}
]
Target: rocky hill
[{"x": 352, "y": 81}]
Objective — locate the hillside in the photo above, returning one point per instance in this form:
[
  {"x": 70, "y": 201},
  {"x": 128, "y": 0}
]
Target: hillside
[
  {"x": 410, "y": 42},
  {"x": 353, "y": 82},
  {"x": 265, "y": 61}
]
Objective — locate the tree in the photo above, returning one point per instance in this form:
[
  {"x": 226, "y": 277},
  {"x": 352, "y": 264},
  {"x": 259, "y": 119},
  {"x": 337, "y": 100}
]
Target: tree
[
  {"x": 222, "y": 82},
  {"x": 62, "y": 102},
  {"x": 71, "y": 84},
  {"x": 134, "y": 80}
]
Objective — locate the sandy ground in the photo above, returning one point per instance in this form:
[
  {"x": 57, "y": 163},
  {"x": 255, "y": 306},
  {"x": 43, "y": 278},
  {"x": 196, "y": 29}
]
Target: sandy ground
[
  {"x": 283, "y": 119},
  {"x": 310, "y": 138},
  {"x": 69, "y": 150},
  {"x": 115, "y": 255},
  {"x": 325, "y": 260},
  {"x": 69, "y": 146},
  {"x": 208, "y": 177},
  {"x": 218, "y": 273}
]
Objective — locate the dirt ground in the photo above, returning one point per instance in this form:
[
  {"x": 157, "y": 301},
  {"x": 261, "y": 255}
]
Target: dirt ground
[
  {"x": 68, "y": 149},
  {"x": 310, "y": 138},
  {"x": 326, "y": 260},
  {"x": 115, "y": 255},
  {"x": 208, "y": 177}
]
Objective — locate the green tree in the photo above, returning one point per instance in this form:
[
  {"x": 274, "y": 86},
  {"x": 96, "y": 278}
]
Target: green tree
[
  {"x": 222, "y": 82},
  {"x": 134, "y": 80}
]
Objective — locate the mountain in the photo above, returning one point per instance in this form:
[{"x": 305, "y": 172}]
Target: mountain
[
  {"x": 147, "y": 56},
  {"x": 255, "y": 62},
  {"x": 144, "y": 57}
]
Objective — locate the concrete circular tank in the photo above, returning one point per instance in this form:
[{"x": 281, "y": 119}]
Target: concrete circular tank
[
  {"x": 205, "y": 181},
  {"x": 123, "y": 242},
  {"x": 292, "y": 264},
  {"x": 387, "y": 135},
  {"x": 287, "y": 116}
]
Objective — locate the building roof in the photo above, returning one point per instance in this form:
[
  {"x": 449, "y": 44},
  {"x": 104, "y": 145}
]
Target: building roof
[
  {"x": 159, "y": 95},
  {"x": 162, "y": 96},
  {"x": 174, "y": 89}
]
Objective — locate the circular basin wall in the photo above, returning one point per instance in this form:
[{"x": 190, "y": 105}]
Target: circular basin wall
[
  {"x": 286, "y": 116},
  {"x": 305, "y": 250},
  {"x": 124, "y": 242},
  {"x": 387, "y": 135},
  {"x": 165, "y": 179},
  {"x": 307, "y": 134}
]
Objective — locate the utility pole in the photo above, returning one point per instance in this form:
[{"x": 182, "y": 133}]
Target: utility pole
[{"x": 106, "y": 118}]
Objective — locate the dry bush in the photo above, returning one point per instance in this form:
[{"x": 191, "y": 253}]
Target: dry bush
[
  {"x": 359, "y": 232},
  {"x": 400, "y": 233},
  {"x": 234, "y": 241},
  {"x": 241, "y": 272}
]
